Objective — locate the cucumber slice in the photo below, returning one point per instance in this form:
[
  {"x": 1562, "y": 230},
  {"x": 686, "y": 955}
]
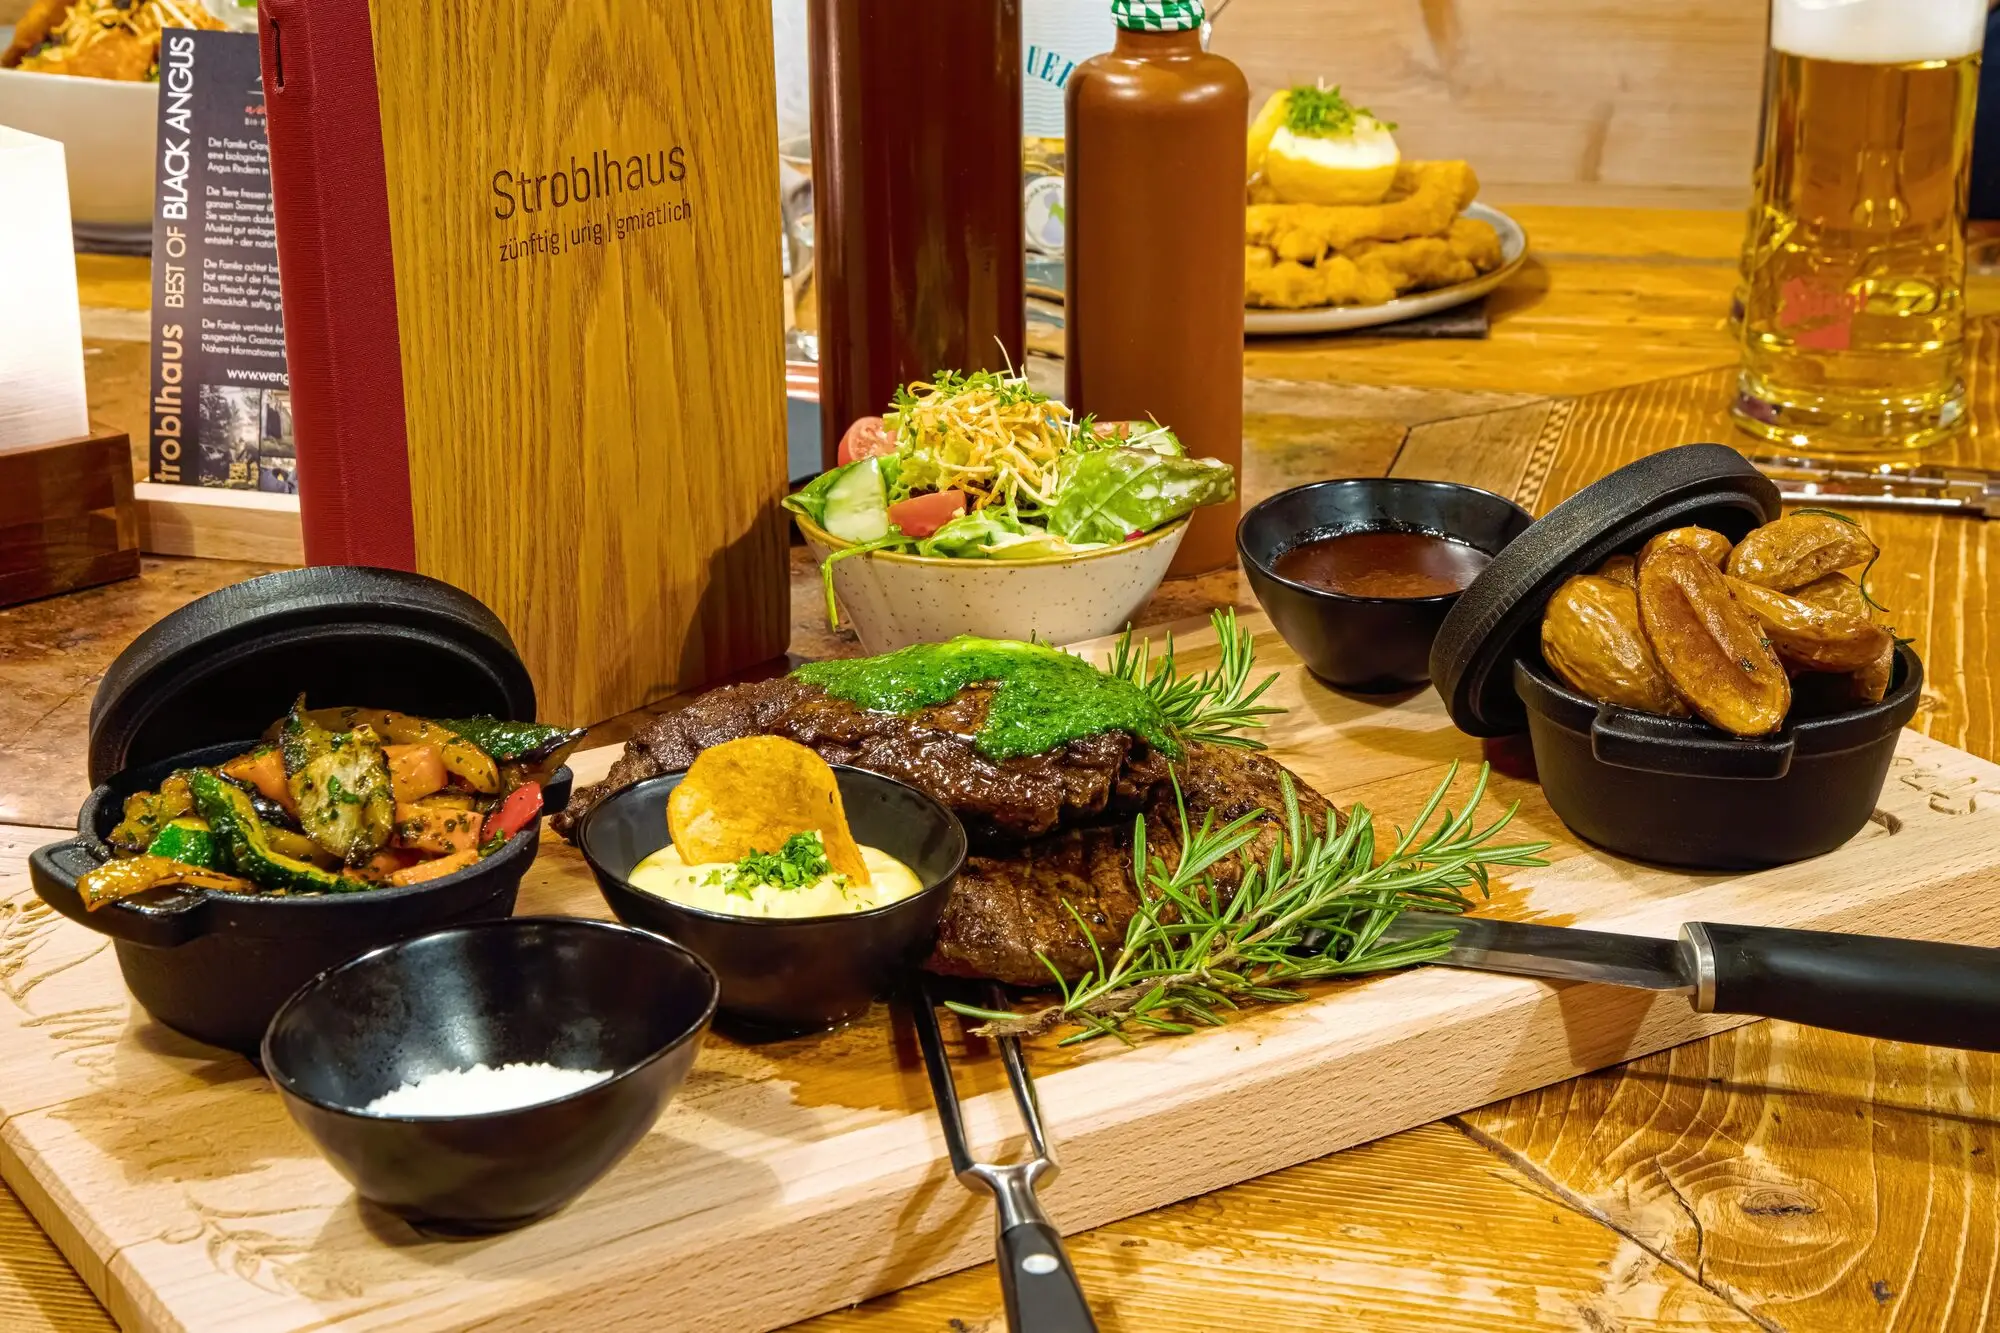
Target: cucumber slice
[{"x": 857, "y": 504}]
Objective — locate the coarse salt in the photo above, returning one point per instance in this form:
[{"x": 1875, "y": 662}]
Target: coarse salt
[{"x": 482, "y": 1090}]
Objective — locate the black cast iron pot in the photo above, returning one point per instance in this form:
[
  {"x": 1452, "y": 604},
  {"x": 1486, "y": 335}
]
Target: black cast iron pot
[
  {"x": 1677, "y": 791},
  {"x": 216, "y": 966},
  {"x": 1670, "y": 790},
  {"x": 199, "y": 687}
]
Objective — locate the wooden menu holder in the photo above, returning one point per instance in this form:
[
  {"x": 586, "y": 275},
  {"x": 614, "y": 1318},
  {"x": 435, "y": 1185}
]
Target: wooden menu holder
[{"x": 67, "y": 517}]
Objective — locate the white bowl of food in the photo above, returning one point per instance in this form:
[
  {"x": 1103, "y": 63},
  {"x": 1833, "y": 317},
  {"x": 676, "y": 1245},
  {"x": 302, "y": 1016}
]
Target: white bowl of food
[
  {"x": 977, "y": 505},
  {"x": 894, "y": 600},
  {"x": 83, "y": 73}
]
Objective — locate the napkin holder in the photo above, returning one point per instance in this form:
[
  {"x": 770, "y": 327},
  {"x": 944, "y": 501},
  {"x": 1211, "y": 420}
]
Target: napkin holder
[{"x": 67, "y": 517}]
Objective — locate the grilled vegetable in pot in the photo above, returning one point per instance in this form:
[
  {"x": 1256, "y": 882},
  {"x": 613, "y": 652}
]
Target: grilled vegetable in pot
[
  {"x": 147, "y": 812},
  {"x": 129, "y": 875},
  {"x": 190, "y": 842},
  {"x": 516, "y": 742},
  {"x": 227, "y": 809},
  {"x": 340, "y": 786},
  {"x": 337, "y": 800},
  {"x": 463, "y": 758}
]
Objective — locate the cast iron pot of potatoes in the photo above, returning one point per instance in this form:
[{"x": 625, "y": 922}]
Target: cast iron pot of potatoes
[{"x": 1704, "y": 681}]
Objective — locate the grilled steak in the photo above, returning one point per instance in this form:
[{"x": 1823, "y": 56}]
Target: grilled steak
[
  {"x": 1047, "y": 829},
  {"x": 931, "y": 749},
  {"x": 1008, "y": 911}
]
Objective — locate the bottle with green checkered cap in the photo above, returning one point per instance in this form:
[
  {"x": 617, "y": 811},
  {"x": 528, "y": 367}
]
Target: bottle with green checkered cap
[
  {"x": 1153, "y": 244},
  {"x": 1157, "y": 15}
]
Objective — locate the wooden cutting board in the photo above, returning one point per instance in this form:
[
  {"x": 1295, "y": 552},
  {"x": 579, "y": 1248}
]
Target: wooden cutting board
[{"x": 794, "y": 1178}]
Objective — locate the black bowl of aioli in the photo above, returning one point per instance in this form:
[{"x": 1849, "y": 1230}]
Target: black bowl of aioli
[
  {"x": 1357, "y": 574},
  {"x": 782, "y": 976},
  {"x": 531, "y": 990}
]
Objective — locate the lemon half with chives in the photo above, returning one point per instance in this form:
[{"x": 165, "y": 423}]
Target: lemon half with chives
[{"x": 1315, "y": 148}]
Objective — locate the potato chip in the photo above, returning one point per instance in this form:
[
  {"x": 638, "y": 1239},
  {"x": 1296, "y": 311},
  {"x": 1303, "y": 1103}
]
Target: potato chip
[{"x": 750, "y": 795}]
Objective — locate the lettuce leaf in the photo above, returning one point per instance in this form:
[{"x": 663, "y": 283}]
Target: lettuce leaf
[
  {"x": 968, "y": 535},
  {"x": 1108, "y": 495}
]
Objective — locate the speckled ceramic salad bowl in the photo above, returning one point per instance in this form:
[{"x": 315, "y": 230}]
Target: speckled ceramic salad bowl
[{"x": 893, "y": 600}]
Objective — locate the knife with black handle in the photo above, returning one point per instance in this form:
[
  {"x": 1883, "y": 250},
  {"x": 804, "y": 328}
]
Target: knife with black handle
[{"x": 1869, "y": 985}]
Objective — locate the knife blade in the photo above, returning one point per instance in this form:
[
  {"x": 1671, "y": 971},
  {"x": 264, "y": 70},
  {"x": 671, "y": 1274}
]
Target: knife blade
[
  {"x": 1869, "y": 985},
  {"x": 1554, "y": 953}
]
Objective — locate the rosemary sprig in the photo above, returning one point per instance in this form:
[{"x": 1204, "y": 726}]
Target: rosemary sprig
[
  {"x": 1212, "y": 707},
  {"x": 1315, "y": 905},
  {"x": 1867, "y": 569}
]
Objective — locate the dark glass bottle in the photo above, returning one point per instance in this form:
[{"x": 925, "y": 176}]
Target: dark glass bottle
[
  {"x": 917, "y": 217},
  {"x": 1155, "y": 196}
]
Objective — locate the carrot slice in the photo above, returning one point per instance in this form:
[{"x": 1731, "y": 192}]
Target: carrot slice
[
  {"x": 265, "y": 770},
  {"x": 415, "y": 771},
  {"x": 442, "y": 831},
  {"x": 429, "y": 870}
]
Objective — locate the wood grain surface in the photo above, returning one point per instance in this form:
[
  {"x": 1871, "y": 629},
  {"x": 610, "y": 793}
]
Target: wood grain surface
[
  {"x": 1572, "y": 101},
  {"x": 787, "y": 1180},
  {"x": 604, "y": 450}
]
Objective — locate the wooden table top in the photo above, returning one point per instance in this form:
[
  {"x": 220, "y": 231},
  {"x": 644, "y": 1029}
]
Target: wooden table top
[{"x": 1773, "y": 1178}]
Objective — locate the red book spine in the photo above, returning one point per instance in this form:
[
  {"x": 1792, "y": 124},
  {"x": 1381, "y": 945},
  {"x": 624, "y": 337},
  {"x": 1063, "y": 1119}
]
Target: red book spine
[{"x": 330, "y": 194}]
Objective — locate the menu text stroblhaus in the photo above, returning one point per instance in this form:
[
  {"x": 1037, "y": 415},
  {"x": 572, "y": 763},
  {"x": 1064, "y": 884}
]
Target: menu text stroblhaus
[{"x": 603, "y": 174}]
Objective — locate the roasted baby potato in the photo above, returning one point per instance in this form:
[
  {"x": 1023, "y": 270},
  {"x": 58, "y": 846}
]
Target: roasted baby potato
[
  {"x": 1800, "y": 548},
  {"x": 1620, "y": 569},
  {"x": 1592, "y": 639},
  {"x": 1810, "y": 637},
  {"x": 1708, "y": 644},
  {"x": 1711, "y": 545}
]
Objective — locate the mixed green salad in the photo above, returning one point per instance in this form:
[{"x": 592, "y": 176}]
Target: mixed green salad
[{"x": 984, "y": 467}]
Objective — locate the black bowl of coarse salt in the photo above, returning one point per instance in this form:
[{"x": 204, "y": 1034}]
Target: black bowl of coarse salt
[{"x": 479, "y": 1078}]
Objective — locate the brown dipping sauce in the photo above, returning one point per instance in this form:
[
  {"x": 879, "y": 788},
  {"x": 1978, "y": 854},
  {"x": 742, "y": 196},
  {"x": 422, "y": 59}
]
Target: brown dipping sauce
[{"x": 1383, "y": 563}]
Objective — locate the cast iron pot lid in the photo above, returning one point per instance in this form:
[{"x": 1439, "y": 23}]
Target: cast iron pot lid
[
  {"x": 225, "y": 666},
  {"x": 1499, "y": 617}
]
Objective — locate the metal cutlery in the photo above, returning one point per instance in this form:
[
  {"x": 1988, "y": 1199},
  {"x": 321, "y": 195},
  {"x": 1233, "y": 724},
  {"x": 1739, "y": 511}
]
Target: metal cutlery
[
  {"x": 1948, "y": 490},
  {"x": 1869, "y": 985},
  {"x": 1037, "y": 1282}
]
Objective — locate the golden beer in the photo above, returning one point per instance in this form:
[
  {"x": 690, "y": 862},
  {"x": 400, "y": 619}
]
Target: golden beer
[{"x": 1854, "y": 266}]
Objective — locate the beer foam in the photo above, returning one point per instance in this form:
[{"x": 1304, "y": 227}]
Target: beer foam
[{"x": 1878, "y": 32}]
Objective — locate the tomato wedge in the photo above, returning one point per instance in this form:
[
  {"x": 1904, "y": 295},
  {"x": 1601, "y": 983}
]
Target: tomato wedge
[
  {"x": 515, "y": 813},
  {"x": 922, "y": 515},
  {"x": 866, "y": 438}
]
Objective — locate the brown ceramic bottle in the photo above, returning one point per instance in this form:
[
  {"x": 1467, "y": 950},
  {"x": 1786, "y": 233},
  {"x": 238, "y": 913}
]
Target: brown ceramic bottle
[
  {"x": 1154, "y": 202},
  {"x": 916, "y": 122}
]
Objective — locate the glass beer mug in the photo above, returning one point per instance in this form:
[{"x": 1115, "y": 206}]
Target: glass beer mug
[{"x": 1853, "y": 319}]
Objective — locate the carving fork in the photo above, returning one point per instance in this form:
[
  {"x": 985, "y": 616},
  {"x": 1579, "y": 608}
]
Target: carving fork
[{"x": 1036, "y": 1280}]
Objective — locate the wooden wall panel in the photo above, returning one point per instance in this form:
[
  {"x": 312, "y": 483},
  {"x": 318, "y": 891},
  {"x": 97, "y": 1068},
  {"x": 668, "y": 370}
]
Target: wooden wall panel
[{"x": 1556, "y": 101}]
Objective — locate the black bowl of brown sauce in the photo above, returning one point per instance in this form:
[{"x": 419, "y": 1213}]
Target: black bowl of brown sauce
[{"x": 1357, "y": 574}]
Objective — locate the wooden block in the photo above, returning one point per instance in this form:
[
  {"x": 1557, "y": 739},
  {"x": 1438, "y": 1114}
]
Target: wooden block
[
  {"x": 67, "y": 517},
  {"x": 219, "y": 524},
  {"x": 797, "y": 1177}
]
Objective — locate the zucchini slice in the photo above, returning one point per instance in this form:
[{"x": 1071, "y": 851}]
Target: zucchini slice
[
  {"x": 191, "y": 843},
  {"x": 227, "y": 809}
]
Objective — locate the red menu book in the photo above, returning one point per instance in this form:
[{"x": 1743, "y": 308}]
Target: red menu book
[{"x": 530, "y": 268}]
